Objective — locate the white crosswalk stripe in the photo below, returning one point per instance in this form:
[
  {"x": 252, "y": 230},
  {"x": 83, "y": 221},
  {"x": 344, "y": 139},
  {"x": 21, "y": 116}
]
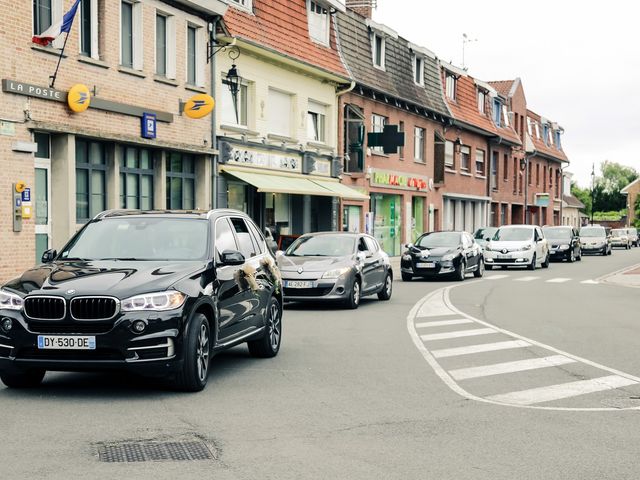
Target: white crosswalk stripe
[
  {"x": 510, "y": 367},
  {"x": 496, "y": 277},
  {"x": 485, "y": 347},
  {"x": 526, "y": 279},
  {"x": 458, "y": 334},
  {"x": 442, "y": 323},
  {"x": 590, "y": 282},
  {"x": 563, "y": 390},
  {"x": 559, "y": 280}
]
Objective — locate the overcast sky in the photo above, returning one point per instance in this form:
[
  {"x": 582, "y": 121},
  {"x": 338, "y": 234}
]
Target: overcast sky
[{"x": 579, "y": 62}]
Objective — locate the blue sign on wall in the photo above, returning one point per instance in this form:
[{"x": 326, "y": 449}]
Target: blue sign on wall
[
  {"x": 26, "y": 195},
  {"x": 148, "y": 125}
]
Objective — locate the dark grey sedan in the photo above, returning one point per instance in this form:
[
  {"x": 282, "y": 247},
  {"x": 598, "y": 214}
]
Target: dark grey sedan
[{"x": 335, "y": 266}]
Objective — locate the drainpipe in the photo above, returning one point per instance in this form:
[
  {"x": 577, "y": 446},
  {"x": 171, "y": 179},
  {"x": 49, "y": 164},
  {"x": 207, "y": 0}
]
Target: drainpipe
[
  {"x": 214, "y": 138},
  {"x": 561, "y": 193}
]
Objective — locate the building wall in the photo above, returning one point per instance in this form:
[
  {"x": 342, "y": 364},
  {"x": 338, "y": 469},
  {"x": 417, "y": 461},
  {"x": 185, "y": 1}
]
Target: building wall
[{"x": 24, "y": 61}]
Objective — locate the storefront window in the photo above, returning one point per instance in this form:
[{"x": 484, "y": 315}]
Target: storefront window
[
  {"x": 387, "y": 226},
  {"x": 277, "y": 214},
  {"x": 136, "y": 179},
  {"x": 417, "y": 220},
  {"x": 237, "y": 196},
  {"x": 180, "y": 181},
  {"x": 91, "y": 170}
]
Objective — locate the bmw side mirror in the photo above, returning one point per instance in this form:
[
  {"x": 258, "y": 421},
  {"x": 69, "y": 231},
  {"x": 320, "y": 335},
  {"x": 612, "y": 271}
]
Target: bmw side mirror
[
  {"x": 231, "y": 257},
  {"x": 361, "y": 256},
  {"x": 49, "y": 255}
]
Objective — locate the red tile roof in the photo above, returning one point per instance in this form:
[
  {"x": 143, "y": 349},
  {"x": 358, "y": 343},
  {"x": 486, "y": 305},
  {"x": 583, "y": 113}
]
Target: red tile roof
[
  {"x": 539, "y": 144},
  {"x": 503, "y": 87},
  {"x": 465, "y": 109},
  {"x": 282, "y": 26}
]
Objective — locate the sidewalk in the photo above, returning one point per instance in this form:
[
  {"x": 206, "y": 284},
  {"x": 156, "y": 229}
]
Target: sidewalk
[{"x": 627, "y": 277}]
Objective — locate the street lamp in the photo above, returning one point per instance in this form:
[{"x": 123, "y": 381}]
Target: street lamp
[
  {"x": 233, "y": 80},
  {"x": 593, "y": 188}
]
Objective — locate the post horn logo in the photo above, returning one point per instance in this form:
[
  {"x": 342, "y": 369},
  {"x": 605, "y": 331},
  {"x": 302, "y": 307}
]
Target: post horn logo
[
  {"x": 199, "y": 106},
  {"x": 79, "y": 98}
]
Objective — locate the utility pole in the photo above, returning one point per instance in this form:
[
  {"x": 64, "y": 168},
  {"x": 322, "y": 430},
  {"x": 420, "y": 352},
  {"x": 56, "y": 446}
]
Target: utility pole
[{"x": 593, "y": 185}]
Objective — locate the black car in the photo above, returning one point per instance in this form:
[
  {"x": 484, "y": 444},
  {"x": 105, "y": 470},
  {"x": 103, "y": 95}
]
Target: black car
[
  {"x": 564, "y": 243},
  {"x": 155, "y": 293},
  {"x": 335, "y": 266},
  {"x": 442, "y": 253}
]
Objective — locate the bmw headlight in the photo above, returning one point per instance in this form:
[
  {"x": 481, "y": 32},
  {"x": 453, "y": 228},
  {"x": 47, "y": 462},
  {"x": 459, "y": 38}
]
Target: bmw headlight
[
  {"x": 158, "y": 301},
  {"x": 564, "y": 247},
  {"x": 448, "y": 257},
  {"x": 336, "y": 273},
  {"x": 10, "y": 301}
]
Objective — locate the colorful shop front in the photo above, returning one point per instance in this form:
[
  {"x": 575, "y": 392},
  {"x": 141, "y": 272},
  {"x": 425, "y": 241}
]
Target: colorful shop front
[
  {"x": 287, "y": 191},
  {"x": 399, "y": 210}
]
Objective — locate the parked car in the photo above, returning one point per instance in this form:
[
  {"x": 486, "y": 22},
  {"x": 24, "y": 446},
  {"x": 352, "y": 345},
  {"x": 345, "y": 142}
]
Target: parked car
[
  {"x": 519, "y": 246},
  {"x": 442, "y": 253},
  {"x": 620, "y": 238},
  {"x": 483, "y": 235},
  {"x": 564, "y": 243},
  {"x": 335, "y": 266},
  {"x": 154, "y": 293},
  {"x": 632, "y": 233},
  {"x": 595, "y": 239}
]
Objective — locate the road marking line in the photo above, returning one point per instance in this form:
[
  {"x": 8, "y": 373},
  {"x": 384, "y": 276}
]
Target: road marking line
[
  {"x": 526, "y": 279},
  {"x": 496, "y": 277},
  {"x": 559, "y": 280},
  {"x": 441, "y": 323},
  {"x": 590, "y": 282},
  {"x": 563, "y": 390},
  {"x": 436, "y": 308},
  {"x": 457, "y": 334},
  {"x": 510, "y": 367},
  {"x": 485, "y": 347}
]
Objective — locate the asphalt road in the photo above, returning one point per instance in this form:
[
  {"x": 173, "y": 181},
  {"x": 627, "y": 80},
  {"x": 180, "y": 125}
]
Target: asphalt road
[{"x": 352, "y": 394}]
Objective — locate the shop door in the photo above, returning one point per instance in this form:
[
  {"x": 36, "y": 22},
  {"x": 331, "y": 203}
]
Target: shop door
[
  {"x": 351, "y": 218},
  {"x": 42, "y": 192},
  {"x": 417, "y": 221},
  {"x": 388, "y": 222}
]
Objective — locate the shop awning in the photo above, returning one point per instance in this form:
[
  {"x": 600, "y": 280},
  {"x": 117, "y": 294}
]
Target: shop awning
[
  {"x": 268, "y": 183},
  {"x": 296, "y": 184},
  {"x": 341, "y": 190}
]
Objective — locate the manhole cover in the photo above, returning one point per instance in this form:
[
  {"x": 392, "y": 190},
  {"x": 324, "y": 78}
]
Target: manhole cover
[{"x": 154, "y": 451}]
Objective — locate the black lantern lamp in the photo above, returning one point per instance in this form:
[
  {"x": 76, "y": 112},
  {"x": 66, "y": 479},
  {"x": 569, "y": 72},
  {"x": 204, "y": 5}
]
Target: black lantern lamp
[{"x": 233, "y": 81}]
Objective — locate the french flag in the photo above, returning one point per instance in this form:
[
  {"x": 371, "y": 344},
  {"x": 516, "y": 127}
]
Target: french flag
[{"x": 55, "y": 30}]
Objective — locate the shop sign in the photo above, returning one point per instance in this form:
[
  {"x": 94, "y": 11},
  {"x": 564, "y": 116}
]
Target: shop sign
[
  {"x": 79, "y": 98},
  {"x": 199, "y": 106},
  {"x": 149, "y": 125},
  {"x": 7, "y": 128},
  {"x": 29, "y": 90},
  {"x": 269, "y": 160},
  {"x": 396, "y": 180},
  {"x": 542, "y": 200}
]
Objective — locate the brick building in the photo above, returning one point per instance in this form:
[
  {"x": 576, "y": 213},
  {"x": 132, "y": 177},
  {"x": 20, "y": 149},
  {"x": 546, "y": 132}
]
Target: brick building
[
  {"x": 278, "y": 142},
  {"x": 135, "y": 58},
  {"x": 396, "y": 83}
]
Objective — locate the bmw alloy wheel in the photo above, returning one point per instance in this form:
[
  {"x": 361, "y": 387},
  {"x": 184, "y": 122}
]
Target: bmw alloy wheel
[{"x": 202, "y": 352}]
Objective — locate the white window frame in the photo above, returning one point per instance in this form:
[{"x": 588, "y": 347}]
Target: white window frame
[
  {"x": 312, "y": 14},
  {"x": 480, "y": 158},
  {"x": 450, "y": 82},
  {"x": 419, "y": 144},
  {"x": 320, "y": 110},
  {"x": 242, "y": 4},
  {"x": 383, "y": 50},
  {"x": 200, "y": 56},
  {"x": 272, "y": 115},
  {"x": 170, "y": 44},
  {"x": 95, "y": 26},
  {"x": 465, "y": 149},
  {"x": 56, "y": 15},
  {"x": 505, "y": 114},
  {"x": 448, "y": 145},
  {"x": 482, "y": 101},
  {"x": 378, "y": 127},
  {"x": 418, "y": 70},
  {"x": 137, "y": 22}
]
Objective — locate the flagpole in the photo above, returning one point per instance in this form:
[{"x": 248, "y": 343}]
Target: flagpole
[{"x": 55, "y": 74}]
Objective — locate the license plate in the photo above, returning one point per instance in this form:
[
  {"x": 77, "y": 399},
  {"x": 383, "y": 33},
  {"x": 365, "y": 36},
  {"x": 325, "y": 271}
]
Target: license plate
[
  {"x": 66, "y": 342},
  {"x": 298, "y": 284},
  {"x": 426, "y": 265},
  {"x": 504, "y": 256}
]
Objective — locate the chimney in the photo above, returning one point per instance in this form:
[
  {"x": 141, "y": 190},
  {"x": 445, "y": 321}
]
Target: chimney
[{"x": 362, "y": 7}]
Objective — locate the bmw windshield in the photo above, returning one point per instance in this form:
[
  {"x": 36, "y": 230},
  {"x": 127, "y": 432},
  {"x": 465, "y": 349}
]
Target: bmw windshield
[{"x": 140, "y": 238}]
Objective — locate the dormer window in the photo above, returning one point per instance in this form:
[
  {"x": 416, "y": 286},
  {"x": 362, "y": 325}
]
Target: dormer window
[
  {"x": 546, "y": 136},
  {"x": 450, "y": 85},
  {"x": 418, "y": 69},
  {"x": 243, "y": 4},
  {"x": 558, "y": 144},
  {"x": 482, "y": 101},
  {"x": 378, "y": 47},
  {"x": 505, "y": 114},
  {"x": 497, "y": 112},
  {"x": 319, "y": 23}
]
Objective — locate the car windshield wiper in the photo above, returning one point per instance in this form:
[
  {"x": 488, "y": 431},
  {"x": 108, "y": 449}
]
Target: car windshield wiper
[
  {"x": 126, "y": 259},
  {"x": 76, "y": 259}
]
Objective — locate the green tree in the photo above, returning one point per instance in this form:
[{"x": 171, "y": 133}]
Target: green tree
[
  {"x": 582, "y": 194},
  {"x": 637, "y": 216},
  {"x": 614, "y": 177}
]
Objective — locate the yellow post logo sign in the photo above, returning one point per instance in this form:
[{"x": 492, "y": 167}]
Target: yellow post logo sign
[
  {"x": 20, "y": 186},
  {"x": 79, "y": 98},
  {"x": 199, "y": 106}
]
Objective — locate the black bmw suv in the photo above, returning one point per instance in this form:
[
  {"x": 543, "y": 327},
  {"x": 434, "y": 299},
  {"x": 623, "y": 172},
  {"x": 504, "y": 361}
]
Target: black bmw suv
[{"x": 156, "y": 293}]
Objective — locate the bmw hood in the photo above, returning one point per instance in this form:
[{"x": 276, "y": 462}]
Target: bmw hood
[
  {"x": 117, "y": 278},
  {"x": 312, "y": 264}
]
